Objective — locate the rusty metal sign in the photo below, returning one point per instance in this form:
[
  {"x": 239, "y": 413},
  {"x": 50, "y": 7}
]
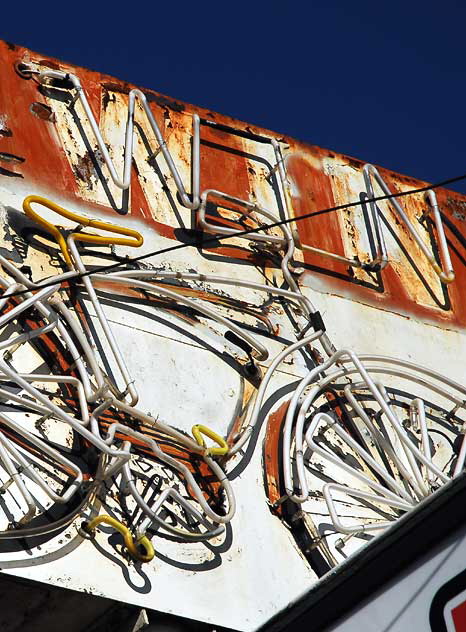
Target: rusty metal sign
[{"x": 205, "y": 399}]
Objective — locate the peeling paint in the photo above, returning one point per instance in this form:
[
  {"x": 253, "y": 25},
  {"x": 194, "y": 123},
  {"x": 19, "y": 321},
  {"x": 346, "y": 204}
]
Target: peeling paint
[{"x": 195, "y": 367}]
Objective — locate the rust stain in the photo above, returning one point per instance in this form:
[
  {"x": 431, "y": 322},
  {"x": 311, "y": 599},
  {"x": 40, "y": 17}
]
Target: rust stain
[
  {"x": 85, "y": 169},
  {"x": 312, "y": 192},
  {"x": 249, "y": 392},
  {"x": 401, "y": 289},
  {"x": 225, "y": 166},
  {"x": 29, "y": 137},
  {"x": 43, "y": 111},
  {"x": 272, "y": 456},
  {"x": 50, "y": 63}
]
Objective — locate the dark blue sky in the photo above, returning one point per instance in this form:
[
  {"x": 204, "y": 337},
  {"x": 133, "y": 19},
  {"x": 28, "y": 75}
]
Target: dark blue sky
[{"x": 381, "y": 81}]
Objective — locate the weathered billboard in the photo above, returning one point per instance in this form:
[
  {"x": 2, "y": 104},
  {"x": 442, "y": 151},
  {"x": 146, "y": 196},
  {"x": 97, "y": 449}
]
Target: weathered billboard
[{"x": 229, "y": 359}]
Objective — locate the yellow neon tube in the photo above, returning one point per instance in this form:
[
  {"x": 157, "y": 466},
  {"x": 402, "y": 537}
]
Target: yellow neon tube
[
  {"x": 198, "y": 430},
  {"x": 130, "y": 543},
  {"x": 133, "y": 238}
]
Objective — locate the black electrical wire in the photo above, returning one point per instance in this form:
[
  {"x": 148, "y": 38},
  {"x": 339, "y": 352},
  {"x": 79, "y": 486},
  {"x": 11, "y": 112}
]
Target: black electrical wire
[{"x": 212, "y": 241}]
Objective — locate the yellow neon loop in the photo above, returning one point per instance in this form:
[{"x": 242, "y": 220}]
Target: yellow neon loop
[
  {"x": 130, "y": 543},
  {"x": 198, "y": 430},
  {"x": 133, "y": 237}
]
